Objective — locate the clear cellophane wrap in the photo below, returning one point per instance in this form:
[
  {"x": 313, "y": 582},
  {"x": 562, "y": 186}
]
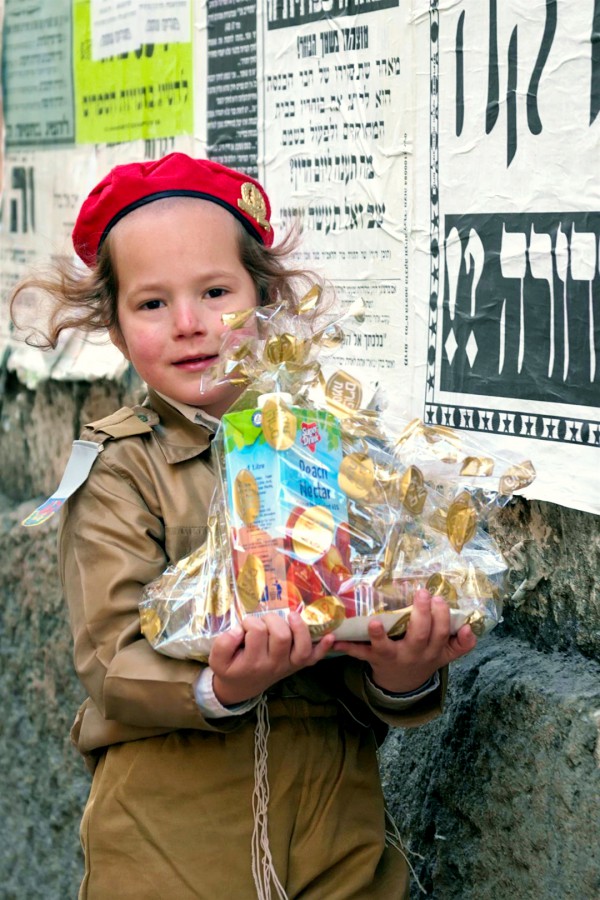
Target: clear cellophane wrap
[{"x": 328, "y": 507}]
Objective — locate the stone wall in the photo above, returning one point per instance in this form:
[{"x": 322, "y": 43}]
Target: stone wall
[{"x": 499, "y": 798}]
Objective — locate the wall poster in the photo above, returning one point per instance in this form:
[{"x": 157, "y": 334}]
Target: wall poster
[
  {"x": 38, "y": 213},
  {"x": 513, "y": 213},
  {"x": 37, "y": 73},
  {"x": 441, "y": 157},
  {"x": 336, "y": 148},
  {"x": 142, "y": 90},
  {"x": 232, "y": 92}
]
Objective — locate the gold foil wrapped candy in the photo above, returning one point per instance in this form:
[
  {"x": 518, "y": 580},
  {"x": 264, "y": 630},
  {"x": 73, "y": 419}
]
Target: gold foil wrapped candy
[
  {"x": 251, "y": 583},
  {"x": 416, "y": 499},
  {"x": 278, "y": 424},
  {"x": 246, "y": 497},
  {"x": 323, "y": 615}
]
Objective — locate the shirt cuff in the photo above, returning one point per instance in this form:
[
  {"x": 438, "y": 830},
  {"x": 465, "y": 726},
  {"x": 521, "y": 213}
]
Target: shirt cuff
[
  {"x": 388, "y": 700},
  {"x": 209, "y": 706}
]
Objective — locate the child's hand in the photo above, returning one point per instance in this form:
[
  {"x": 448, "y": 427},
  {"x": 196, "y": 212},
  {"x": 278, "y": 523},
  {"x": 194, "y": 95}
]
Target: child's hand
[
  {"x": 250, "y": 658},
  {"x": 400, "y": 666}
]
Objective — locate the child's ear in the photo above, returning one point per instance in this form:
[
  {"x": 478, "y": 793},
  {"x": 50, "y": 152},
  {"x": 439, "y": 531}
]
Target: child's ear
[{"x": 118, "y": 340}]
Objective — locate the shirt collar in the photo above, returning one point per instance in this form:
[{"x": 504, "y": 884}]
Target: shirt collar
[
  {"x": 182, "y": 432},
  {"x": 193, "y": 413}
]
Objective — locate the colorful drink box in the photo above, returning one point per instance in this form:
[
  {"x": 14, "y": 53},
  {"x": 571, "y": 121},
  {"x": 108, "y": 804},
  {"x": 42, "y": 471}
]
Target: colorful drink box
[{"x": 289, "y": 534}]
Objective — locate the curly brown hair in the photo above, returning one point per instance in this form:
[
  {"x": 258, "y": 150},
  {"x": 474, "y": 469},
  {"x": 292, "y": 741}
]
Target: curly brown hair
[{"x": 88, "y": 299}]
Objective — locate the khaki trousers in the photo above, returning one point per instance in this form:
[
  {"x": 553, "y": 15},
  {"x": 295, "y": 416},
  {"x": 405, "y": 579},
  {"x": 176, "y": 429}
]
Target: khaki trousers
[{"x": 170, "y": 817}]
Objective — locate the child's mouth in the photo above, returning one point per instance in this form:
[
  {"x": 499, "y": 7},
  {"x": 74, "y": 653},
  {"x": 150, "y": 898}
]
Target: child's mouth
[{"x": 196, "y": 363}]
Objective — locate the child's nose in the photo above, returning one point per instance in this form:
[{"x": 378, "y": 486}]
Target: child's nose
[{"x": 188, "y": 318}]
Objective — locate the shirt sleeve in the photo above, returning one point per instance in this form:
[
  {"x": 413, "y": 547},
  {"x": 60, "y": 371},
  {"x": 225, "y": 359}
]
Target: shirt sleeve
[
  {"x": 388, "y": 700},
  {"x": 395, "y": 712},
  {"x": 110, "y": 546},
  {"x": 210, "y": 707}
]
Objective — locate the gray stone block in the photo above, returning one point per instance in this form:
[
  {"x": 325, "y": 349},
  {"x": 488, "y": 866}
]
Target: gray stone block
[{"x": 501, "y": 795}]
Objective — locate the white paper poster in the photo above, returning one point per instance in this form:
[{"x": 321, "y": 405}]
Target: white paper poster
[
  {"x": 123, "y": 26},
  {"x": 38, "y": 213},
  {"x": 510, "y": 202},
  {"x": 443, "y": 159},
  {"x": 336, "y": 154}
]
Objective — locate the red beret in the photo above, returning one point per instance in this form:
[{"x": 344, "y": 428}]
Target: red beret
[{"x": 176, "y": 175}]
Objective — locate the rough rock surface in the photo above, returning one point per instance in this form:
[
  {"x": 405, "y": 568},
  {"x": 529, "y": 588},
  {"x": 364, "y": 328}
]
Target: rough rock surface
[
  {"x": 44, "y": 781},
  {"x": 500, "y": 796}
]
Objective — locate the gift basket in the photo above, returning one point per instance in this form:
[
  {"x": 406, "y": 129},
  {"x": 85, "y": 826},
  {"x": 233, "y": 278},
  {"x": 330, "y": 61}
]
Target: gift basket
[{"x": 327, "y": 505}]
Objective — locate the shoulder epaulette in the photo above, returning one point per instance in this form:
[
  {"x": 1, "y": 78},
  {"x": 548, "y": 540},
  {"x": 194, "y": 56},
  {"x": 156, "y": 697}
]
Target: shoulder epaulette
[{"x": 124, "y": 423}]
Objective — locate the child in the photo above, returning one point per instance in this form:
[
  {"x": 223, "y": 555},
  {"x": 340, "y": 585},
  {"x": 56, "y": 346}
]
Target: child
[{"x": 172, "y": 245}]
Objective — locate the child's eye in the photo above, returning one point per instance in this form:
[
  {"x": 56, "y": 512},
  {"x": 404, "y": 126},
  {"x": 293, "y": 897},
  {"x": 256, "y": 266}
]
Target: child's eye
[
  {"x": 152, "y": 304},
  {"x": 215, "y": 293}
]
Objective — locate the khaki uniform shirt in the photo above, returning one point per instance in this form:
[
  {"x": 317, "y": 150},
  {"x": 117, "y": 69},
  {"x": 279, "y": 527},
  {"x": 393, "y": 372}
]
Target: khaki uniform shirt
[{"x": 143, "y": 506}]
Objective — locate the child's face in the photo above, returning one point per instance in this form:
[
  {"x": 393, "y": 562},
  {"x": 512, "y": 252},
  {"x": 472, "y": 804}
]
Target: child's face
[{"x": 178, "y": 268}]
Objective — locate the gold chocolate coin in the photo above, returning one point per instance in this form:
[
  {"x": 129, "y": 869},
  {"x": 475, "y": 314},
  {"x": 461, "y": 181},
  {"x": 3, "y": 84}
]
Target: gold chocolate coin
[
  {"x": 439, "y": 585},
  {"x": 477, "y": 584},
  {"x": 150, "y": 624},
  {"x": 476, "y": 620},
  {"x": 219, "y": 598},
  {"x": 477, "y": 465},
  {"x": 461, "y": 522},
  {"x": 246, "y": 497},
  {"x": 413, "y": 491},
  {"x": 356, "y": 476},
  {"x": 463, "y": 499},
  {"x": 361, "y": 423},
  {"x": 279, "y": 425},
  {"x": 283, "y": 348},
  {"x": 251, "y": 582},
  {"x": 312, "y": 534},
  {"x": 323, "y": 615},
  {"x": 411, "y": 546},
  {"x": 344, "y": 390},
  {"x": 517, "y": 477},
  {"x": 401, "y": 624}
]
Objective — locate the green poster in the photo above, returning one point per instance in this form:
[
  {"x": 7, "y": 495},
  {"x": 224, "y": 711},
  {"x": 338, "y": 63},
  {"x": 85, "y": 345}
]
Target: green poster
[
  {"x": 38, "y": 82},
  {"x": 144, "y": 93}
]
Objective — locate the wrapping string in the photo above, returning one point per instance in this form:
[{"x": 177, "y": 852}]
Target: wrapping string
[
  {"x": 263, "y": 869},
  {"x": 394, "y": 839}
]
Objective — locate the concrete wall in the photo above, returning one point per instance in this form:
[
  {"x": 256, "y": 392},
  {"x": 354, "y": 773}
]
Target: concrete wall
[{"x": 499, "y": 798}]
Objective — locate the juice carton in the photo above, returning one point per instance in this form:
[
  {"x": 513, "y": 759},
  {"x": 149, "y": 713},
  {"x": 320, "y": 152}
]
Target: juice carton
[{"x": 289, "y": 533}]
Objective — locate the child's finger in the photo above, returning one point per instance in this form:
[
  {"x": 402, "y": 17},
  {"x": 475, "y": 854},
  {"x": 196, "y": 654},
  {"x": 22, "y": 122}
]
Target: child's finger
[
  {"x": 419, "y": 626},
  {"x": 257, "y": 636},
  {"x": 440, "y": 623},
  {"x": 224, "y": 648},
  {"x": 322, "y": 648},
  {"x": 302, "y": 645},
  {"x": 464, "y": 640},
  {"x": 355, "y": 649},
  {"x": 279, "y": 636},
  {"x": 381, "y": 645}
]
